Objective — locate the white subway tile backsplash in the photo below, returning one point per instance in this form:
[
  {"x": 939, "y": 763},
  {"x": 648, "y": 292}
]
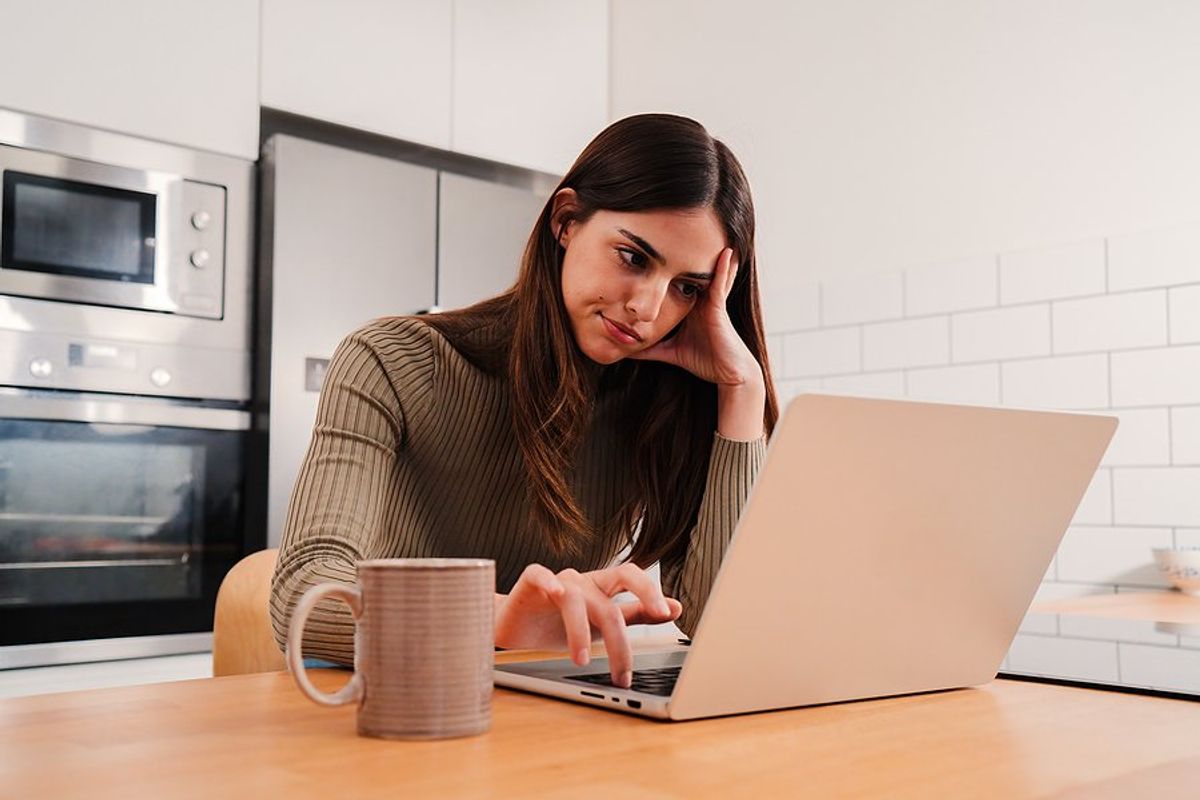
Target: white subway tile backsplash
[
  {"x": 786, "y": 390},
  {"x": 1157, "y": 377},
  {"x": 1112, "y": 555},
  {"x": 1039, "y": 623},
  {"x": 1185, "y": 314},
  {"x": 1052, "y": 272},
  {"x": 1077, "y": 659},
  {"x": 1111, "y": 322},
  {"x": 1156, "y": 495},
  {"x": 1101, "y": 325},
  {"x": 973, "y": 383},
  {"x": 1095, "y": 508},
  {"x": 825, "y": 352},
  {"x": 959, "y": 286},
  {"x": 1141, "y": 438},
  {"x": 909, "y": 343},
  {"x": 862, "y": 298},
  {"x": 1065, "y": 382},
  {"x": 1018, "y": 332},
  {"x": 1154, "y": 258},
  {"x": 1171, "y": 669},
  {"x": 1185, "y": 435},
  {"x": 870, "y": 384}
]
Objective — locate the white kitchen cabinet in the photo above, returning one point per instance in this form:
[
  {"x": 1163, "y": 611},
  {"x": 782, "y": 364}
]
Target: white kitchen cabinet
[
  {"x": 185, "y": 73},
  {"x": 530, "y": 79},
  {"x": 482, "y": 231},
  {"x": 376, "y": 66}
]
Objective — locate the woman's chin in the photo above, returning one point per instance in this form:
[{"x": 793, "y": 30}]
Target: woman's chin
[
  {"x": 603, "y": 353},
  {"x": 605, "y": 359}
]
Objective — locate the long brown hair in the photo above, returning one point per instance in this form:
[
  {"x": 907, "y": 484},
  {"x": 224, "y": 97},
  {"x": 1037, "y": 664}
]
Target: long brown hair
[{"x": 668, "y": 416}]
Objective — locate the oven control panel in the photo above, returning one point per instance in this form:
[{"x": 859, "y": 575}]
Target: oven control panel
[{"x": 58, "y": 361}]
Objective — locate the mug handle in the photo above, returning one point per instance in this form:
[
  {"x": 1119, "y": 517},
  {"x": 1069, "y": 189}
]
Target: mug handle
[{"x": 353, "y": 690}]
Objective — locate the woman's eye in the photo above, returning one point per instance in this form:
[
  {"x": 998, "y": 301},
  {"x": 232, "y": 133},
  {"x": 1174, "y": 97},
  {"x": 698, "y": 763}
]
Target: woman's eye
[
  {"x": 632, "y": 257},
  {"x": 689, "y": 290}
]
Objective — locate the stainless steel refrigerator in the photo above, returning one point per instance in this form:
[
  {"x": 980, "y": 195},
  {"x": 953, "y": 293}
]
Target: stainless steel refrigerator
[{"x": 347, "y": 236}]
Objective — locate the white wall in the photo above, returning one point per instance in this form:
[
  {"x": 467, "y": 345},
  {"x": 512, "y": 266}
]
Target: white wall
[
  {"x": 972, "y": 201},
  {"x": 882, "y": 135}
]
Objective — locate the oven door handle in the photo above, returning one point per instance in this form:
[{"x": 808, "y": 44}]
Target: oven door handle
[{"x": 15, "y": 404}]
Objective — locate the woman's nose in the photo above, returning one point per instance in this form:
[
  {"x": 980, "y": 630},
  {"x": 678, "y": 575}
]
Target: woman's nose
[{"x": 646, "y": 300}]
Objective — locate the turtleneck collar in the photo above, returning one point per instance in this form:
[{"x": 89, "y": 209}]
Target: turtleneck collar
[{"x": 591, "y": 371}]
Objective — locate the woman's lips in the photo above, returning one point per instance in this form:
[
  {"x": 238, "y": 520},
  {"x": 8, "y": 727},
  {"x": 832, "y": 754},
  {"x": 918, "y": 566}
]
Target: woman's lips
[{"x": 617, "y": 332}]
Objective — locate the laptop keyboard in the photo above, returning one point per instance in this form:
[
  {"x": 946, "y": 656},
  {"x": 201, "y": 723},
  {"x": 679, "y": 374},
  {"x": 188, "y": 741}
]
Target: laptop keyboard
[{"x": 659, "y": 681}]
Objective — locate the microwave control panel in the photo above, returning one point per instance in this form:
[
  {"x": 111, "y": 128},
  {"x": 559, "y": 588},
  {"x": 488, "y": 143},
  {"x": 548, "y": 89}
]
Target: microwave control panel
[{"x": 197, "y": 250}]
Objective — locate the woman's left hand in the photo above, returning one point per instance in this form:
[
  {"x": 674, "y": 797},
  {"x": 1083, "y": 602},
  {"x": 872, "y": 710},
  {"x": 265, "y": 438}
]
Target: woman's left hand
[{"x": 707, "y": 345}]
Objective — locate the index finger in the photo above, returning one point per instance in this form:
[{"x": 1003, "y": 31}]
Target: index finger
[
  {"x": 731, "y": 272},
  {"x": 722, "y": 280},
  {"x": 611, "y": 622}
]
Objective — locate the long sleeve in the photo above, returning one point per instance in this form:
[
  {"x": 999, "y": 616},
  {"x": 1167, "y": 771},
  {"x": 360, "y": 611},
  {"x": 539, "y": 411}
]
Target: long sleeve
[
  {"x": 339, "y": 500},
  {"x": 732, "y": 468}
]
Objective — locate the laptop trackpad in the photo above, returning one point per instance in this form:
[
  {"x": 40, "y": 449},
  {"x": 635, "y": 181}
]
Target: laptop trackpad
[{"x": 566, "y": 668}]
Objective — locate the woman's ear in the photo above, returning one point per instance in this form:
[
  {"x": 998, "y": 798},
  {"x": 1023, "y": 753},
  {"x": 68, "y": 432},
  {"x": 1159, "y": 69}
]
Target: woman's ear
[{"x": 566, "y": 203}]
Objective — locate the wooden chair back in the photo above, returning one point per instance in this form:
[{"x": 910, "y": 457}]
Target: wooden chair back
[{"x": 243, "y": 641}]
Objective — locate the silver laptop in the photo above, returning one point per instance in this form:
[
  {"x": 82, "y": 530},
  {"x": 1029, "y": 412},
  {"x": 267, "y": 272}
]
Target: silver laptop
[{"x": 888, "y": 547}]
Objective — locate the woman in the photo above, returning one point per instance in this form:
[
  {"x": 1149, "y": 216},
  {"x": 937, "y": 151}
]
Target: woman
[{"x": 620, "y": 386}]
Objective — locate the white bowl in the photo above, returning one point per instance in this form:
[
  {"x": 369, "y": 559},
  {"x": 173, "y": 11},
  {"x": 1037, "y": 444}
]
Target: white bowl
[{"x": 1181, "y": 566}]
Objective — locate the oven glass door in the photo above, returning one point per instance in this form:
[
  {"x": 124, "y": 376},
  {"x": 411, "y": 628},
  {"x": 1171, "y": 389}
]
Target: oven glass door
[{"x": 114, "y": 529}]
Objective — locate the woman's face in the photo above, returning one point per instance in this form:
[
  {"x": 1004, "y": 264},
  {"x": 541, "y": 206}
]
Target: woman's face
[{"x": 628, "y": 278}]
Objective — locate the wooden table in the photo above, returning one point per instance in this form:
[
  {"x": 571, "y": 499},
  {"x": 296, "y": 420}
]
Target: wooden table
[{"x": 255, "y": 736}]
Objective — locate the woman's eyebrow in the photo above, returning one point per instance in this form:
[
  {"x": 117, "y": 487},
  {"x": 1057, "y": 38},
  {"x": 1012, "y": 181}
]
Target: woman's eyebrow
[{"x": 650, "y": 251}]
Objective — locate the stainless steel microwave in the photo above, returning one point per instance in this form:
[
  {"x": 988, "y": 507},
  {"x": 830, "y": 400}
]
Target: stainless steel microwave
[
  {"x": 125, "y": 263},
  {"x": 84, "y": 232}
]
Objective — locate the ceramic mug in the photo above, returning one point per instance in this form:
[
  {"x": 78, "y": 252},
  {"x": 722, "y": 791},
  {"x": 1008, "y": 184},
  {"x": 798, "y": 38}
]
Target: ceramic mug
[{"x": 423, "y": 646}]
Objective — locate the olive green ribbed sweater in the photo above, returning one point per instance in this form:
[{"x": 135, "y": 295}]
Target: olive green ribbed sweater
[{"x": 413, "y": 455}]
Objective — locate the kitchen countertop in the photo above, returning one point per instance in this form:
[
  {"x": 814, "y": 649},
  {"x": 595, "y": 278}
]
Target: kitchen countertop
[{"x": 1173, "y": 607}]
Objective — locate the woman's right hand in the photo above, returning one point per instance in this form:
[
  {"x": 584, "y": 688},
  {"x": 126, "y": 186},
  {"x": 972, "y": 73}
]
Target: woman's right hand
[{"x": 551, "y": 611}]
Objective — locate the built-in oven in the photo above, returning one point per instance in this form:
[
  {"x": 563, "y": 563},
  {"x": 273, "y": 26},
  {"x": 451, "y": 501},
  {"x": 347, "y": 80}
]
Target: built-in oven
[
  {"x": 118, "y": 519},
  {"x": 125, "y": 390}
]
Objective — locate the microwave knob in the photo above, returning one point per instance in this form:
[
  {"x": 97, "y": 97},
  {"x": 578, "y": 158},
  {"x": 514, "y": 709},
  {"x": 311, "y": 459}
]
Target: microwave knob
[
  {"x": 200, "y": 220},
  {"x": 199, "y": 259},
  {"x": 41, "y": 368},
  {"x": 160, "y": 376}
]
